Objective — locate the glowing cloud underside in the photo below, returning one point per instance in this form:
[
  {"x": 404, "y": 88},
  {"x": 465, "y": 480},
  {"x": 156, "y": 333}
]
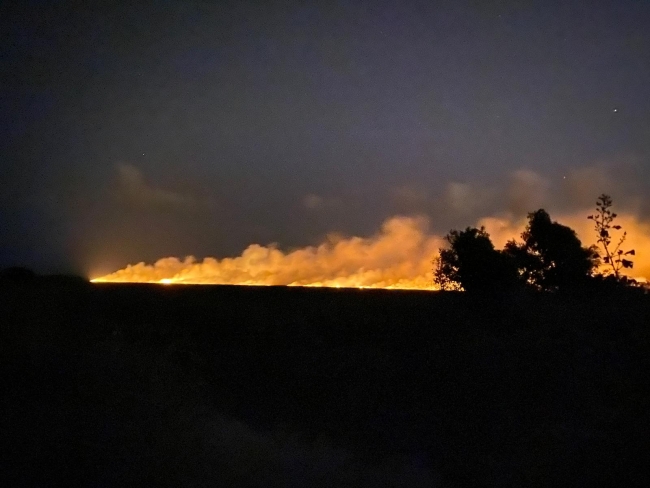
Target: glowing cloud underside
[{"x": 398, "y": 257}]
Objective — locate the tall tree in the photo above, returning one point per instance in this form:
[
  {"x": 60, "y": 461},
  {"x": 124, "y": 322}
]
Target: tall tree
[{"x": 551, "y": 255}]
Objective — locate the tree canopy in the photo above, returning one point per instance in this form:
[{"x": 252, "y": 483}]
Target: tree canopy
[
  {"x": 472, "y": 263},
  {"x": 549, "y": 256}
]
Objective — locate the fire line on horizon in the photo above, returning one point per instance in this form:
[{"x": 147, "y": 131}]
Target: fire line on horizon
[
  {"x": 399, "y": 256},
  {"x": 172, "y": 282}
]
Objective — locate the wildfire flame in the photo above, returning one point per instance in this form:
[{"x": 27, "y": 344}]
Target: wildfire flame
[{"x": 398, "y": 257}]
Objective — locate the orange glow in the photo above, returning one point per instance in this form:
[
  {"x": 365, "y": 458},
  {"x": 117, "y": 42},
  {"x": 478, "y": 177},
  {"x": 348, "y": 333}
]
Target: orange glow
[
  {"x": 398, "y": 257},
  {"x": 638, "y": 236}
]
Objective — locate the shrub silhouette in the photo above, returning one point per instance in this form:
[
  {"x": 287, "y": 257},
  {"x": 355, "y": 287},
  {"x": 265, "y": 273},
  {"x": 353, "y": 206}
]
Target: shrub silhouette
[
  {"x": 472, "y": 263},
  {"x": 603, "y": 224}
]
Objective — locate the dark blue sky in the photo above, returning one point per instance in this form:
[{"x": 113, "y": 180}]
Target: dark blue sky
[{"x": 173, "y": 128}]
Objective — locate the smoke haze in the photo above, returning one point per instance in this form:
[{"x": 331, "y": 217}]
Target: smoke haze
[{"x": 400, "y": 255}]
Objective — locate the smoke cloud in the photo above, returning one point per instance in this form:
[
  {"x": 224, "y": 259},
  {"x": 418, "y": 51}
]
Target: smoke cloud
[{"x": 400, "y": 255}]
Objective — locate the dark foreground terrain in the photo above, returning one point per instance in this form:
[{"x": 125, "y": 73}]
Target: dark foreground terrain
[{"x": 125, "y": 385}]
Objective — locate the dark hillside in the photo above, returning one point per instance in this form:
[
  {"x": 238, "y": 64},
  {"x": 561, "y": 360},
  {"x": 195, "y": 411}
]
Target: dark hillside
[{"x": 124, "y": 385}]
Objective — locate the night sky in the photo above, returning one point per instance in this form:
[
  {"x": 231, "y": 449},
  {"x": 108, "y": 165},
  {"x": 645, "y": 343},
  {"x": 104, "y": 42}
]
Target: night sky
[{"x": 173, "y": 128}]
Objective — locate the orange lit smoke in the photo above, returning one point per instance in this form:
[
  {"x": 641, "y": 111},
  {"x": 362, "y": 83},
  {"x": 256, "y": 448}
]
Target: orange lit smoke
[{"x": 398, "y": 257}]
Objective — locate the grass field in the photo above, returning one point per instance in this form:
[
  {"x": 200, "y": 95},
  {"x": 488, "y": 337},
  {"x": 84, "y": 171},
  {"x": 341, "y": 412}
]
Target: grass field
[{"x": 145, "y": 385}]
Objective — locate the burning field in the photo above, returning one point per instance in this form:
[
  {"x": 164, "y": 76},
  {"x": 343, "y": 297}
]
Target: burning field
[{"x": 399, "y": 256}]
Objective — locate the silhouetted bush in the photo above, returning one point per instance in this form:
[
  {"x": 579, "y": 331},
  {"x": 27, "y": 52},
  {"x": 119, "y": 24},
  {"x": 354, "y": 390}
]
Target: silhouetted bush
[
  {"x": 614, "y": 258},
  {"x": 17, "y": 274},
  {"x": 473, "y": 263}
]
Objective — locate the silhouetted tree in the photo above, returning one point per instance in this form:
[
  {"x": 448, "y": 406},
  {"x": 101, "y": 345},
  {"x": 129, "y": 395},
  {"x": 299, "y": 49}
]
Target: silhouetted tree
[
  {"x": 603, "y": 220},
  {"x": 529, "y": 265},
  {"x": 445, "y": 271},
  {"x": 551, "y": 255},
  {"x": 472, "y": 263}
]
